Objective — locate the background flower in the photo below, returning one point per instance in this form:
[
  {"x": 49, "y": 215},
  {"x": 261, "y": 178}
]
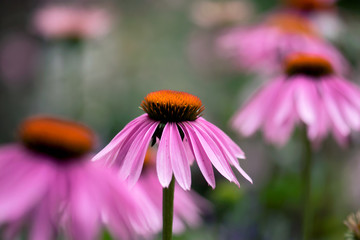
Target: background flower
[{"x": 49, "y": 185}]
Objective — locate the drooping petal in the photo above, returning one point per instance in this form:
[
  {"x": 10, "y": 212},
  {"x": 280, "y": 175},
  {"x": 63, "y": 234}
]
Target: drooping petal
[
  {"x": 281, "y": 119},
  {"x": 249, "y": 119},
  {"x": 306, "y": 100},
  {"x": 203, "y": 163},
  {"x": 213, "y": 152},
  {"x": 224, "y": 146},
  {"x": 84, "y": 210},
  {"x": 349, "y": 110},
  {"x": 108, "y": 152},
  {"x": 348, "y": 90},
  {"x": 179, "y": 160},
  {"x": 230, "y": 144},
  {"x": 20, "y": 190},
  {"x": 163, "y": 162},
  {"x": 43, "y": 227},
  {"x": 333, "y": 110},
  {"x": 135, "y": 156}
]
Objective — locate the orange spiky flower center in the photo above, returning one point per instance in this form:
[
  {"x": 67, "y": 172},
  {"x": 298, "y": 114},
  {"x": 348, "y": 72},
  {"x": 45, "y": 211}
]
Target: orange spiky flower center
[
  {"x": 292, "y": 24},
  {"x": 308, "y": 64},
  {"x": 310, "y": 5},
  {"x": 172, "y": 106},
  {"x": 59, "y": 138}
]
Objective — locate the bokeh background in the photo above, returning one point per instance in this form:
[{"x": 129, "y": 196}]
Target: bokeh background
[{"x": 169, "y": 44}]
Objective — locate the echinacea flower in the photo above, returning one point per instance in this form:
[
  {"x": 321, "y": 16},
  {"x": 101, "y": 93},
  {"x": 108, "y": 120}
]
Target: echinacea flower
[
  {"x": 174, "y": 119},
  {"x": 188, "y": 206},
  {"x": 309, "y": 91},
  {"x": 262, "y": 48},
  {"x": 353, "y": 224},
  {"x": 49, "y": 186},
  {"x": 71, "y": 22}
]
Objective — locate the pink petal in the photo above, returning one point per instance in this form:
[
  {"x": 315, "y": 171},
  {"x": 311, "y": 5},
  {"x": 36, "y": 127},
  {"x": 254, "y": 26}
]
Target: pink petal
[
  {"x": 42, "y": 225},
  {"x": 283, "y": 104},
  {"x": 83, "y": 206},
  {"x": 203, "y": 163},
  {"x": 22, "y": 189},
  {"x": 108, "y": 152},
  {"x": 134, "y": 159},
  {"x": 223, "y": 143},
  {"x": 163, "y": 162},
  {"x": 179, "y": 160},
  {"x": 348, "y": 90},
  {"x": 210, "y": 152},
  {"x": 249, "y": 118},
  {"x": 333, "y": 110},
  {"x": 306, "y": 100},
  {"x": 318, "y": 130},
  {"x": 231, "y": 145},
  {"x": 348, "y": 109}
]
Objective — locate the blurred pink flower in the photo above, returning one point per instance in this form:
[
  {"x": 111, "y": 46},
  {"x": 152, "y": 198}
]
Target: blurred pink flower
[
  {"x": 188, "y": 206},
  {"x": 69, "y": 21},
  {"x": 263, "y": 47},
  {"x": 173, "y": 118},
  {"x": 311, "y": 92},
  {"x": 48, "y": 184}
]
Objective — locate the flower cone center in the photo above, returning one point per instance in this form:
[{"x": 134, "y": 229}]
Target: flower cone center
[
  {"x": 172, "y": 106},
  {"x": 292, "y": 24},
  {"x": 57, "y": 137},
  {"x": 307, "y": 64}
]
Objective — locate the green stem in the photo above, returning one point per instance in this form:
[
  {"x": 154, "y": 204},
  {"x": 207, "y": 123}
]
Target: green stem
[
  {"x": 168, "y": 210},
  {"x": 306, "y": 180}
]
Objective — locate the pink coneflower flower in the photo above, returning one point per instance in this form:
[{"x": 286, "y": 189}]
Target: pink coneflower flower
[
  {"x": 174, "y": 119},
  {"x": 310, "y": 91},
  {"x": 263, "y": 47},
  {"x": 71, "y": 22},
  {"x": 188, "y": 206},
  {"x": 47, "y": 184}
]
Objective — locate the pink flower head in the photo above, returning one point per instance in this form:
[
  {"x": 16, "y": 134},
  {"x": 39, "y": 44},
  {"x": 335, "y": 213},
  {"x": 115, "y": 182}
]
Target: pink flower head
[
  {"x": 48, "y": 184},
  {"x": 188, "y": 206},
  {"x": 69, "y": 22},
  {"x": 263, "y": 47},
  {"x": 311, "y": 92},
  {"x": 174, "y": 119}
]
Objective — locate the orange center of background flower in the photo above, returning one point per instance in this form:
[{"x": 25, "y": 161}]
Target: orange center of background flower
[
  {"x": 172, "y": 106},
  {"x": 292, "y": 24},
  {"x": 309, "y": 5},
  {"x": 308, "y": 64},
  {"x": 57, "y": 137}
]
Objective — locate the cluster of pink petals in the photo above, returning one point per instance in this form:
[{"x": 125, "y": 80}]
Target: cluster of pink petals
[
  {"x": 188, "y": 206},
  {"x": 74, "y": 198},
  {"x": 67, "y": 21},
  {"x": 325, "y": 104},
  {"x": 206, "y": 143},
  {"x": 262, "y": 48}
]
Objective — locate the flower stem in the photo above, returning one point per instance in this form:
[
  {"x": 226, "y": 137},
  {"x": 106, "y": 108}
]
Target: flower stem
[
  {"x": 306, "y": 180},
  {"x": 168, "y": 210}
]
